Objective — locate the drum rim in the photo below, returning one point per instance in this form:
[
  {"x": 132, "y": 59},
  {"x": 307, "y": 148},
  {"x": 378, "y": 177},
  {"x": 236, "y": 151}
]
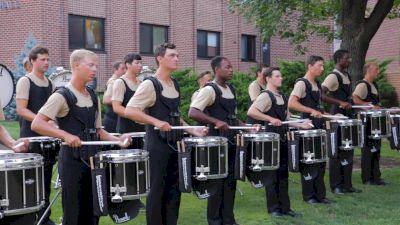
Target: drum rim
[
  {"x": 137, "y": 134},
  {"x": 41, "y": 138},
  {"x": 311, "y": 132},
  {"x": 207, "y": 140},
  {"x": 348, "y": 122},
  {"x": 117, "y": 156},
  {"x": 31, "y": 160},
  {"x": 13, "y": 86},
  {"x": 374, "y": 112},
  {"x": 261, "y": 135}
]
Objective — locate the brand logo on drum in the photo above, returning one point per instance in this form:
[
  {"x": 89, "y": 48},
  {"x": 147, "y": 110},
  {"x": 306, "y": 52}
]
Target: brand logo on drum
[
  {"x": 29, "y": 181},
  {"x": 185, "y": 178},
  {"x": 241, "y": 164},
  {"x": 121, "y": 219},
  {"x": 99, "y": 192}
]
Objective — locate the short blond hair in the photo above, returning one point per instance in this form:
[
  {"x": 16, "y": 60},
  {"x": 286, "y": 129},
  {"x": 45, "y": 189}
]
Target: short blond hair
[
  {"x": 25, "y": 62},
  {"x": 78, "y": 55}
]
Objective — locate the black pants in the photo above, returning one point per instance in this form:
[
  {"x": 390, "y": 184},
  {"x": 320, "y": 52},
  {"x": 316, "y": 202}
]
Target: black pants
[
  {"x": 341, "y": 169},
  {"x": 220, "y": 205},
  {"x": 26, "y": 219},
  {"x": 371, "y": 153},
  {"x": 277, "y": 192},
  {"x": 164, "y": 199},
  {"x": 48, "y": 174},
  {"x": 312, "y": 181},
  {"x": 77, "y": 197}
]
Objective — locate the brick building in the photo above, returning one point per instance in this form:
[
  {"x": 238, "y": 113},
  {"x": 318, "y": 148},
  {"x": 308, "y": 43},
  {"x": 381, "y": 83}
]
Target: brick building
[{"x": 199, "y": 28}]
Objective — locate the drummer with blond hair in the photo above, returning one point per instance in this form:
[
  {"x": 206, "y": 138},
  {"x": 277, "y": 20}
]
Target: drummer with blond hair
[
  {"x": 366, "y": 93},
  {"x": 77, "y": 110}
]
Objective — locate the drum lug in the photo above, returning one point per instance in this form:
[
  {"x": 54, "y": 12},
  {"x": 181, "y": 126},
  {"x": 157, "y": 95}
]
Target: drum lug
[
  {"x": 117, "y": 190},
  {"x": 4, "y": 202},
  {"x": 309, "y": 156}
]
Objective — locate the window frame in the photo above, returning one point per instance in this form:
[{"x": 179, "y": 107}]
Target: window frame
[
  {"x": 166, "y": 33},
  {"x": 254, "y": 38},
  {"x": 218, "y": 43},
  {"x": 84, "y": 41}
]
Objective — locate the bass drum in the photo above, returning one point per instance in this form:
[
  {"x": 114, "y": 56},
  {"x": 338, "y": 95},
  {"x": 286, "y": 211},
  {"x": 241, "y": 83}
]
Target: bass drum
[
  {"x": 60, "y": 79},
  {"x": 8, "y": 87}
]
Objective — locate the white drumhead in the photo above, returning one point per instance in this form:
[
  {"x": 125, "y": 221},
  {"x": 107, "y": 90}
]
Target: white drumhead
[
  {"x": 20, "y": 160},
  {"x": 7, "y": 86},
  {"x": 60, "y": 79},
  {"x": 42, "y": 138},
  {"x": 124, "y": 155},
  {"x": 207, "y": 141}
]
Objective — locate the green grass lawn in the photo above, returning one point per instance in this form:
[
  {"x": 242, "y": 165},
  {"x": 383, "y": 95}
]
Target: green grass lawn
[{"x": 374, "y": 206}]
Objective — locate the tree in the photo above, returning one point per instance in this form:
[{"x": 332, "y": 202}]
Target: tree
[{"x": 296, "y": 20}]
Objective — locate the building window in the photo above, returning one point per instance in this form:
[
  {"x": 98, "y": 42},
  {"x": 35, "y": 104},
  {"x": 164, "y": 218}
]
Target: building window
[
  {"x": 208, "y": 44},
  {"x": 248, "y": 48},
  {"x": 86, "y": 32},
  {"x": 151, "y": 36}
]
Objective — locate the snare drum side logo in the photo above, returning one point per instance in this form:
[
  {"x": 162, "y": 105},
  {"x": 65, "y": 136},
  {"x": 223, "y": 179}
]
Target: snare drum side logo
[{"x": 29, "y": 181}]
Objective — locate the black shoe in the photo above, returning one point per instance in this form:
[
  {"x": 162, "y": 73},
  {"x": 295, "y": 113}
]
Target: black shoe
[
  {"x": 49, "y": 222},
  {"x": 370, "y": 182},
  {"x": 380, "y": 182},
  {"x": 352, "y": 190},
  {"x": 338, "y": 191},
  {"x": 293, "y": 214},
  {"x": 276, "y": 214},
  {"x": 312, "y": 201},
  {"x": 326, "y": 201}
]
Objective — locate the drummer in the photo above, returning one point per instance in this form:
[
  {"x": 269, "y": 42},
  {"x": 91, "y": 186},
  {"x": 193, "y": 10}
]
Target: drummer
[
  {"x": 32, "y": 92},
  {"x": 202, "y": 79},
  {"x": 77, "y": 109},
  {"x": 338, "y": 84},
  {"x": 219, "y": 100},
  {"x": 123, "y": 90},
  {"x": 110, "y": 118},
  {"x": 255, "y": 89},
  {"x": 271, "y": 107},
  {"x": 306, "y": 98},
  {"x": 156, "y": 103},
  {"x": 7, "y": 144},
  {"x": 366, "y": 93}
]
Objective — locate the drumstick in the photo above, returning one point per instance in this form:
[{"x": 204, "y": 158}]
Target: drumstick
[
  {"x": 19, "y": 145},
  {"x": 182, "y": 127},
  {"x": 178, "y": 146},
  {"x": 241, "y": 128},
  {"x": 361, "y": 106},
  {"x": 96, "y": 143},
  {"x": 334, "y": 117},
  {"x": 293, "y": 121},
  {"x": 295, "y": 116},
  {"x": 91, "y": 163}
]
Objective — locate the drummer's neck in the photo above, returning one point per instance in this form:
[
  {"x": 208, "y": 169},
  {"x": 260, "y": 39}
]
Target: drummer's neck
[
  {"x": 39, "y": 74},
  {"x": 369, "y": 79},
  {"x": 79, "y": 85}
]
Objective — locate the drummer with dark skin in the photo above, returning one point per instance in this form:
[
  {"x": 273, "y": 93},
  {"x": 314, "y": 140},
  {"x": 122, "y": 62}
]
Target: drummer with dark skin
[
  {"x": 338, "y": 85},
  {"x": 156, "y": 103},
  {"x": 218, "y": 100},
  {"x": 32, "y": 92},
  {"x": 271, "y": 107},
  {"x": 77, "y": 110},
  {"x": 366, "y": 93},
  {"x": 306, "y": 98}
]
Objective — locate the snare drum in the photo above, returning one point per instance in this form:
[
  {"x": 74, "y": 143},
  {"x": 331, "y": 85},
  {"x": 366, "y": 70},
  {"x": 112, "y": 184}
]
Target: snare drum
[
  {"x": 263, "y": 151},
  {"x": 48, "y": 147},
  {"x": 128, "y": 173},
  {"x": 22, "y": 184},
  {"x": 377, "y": 123},
  {"x": 350, "y": 133},
  {"x": 313, "y": 146},
  {"x": 209, "y": 157}
]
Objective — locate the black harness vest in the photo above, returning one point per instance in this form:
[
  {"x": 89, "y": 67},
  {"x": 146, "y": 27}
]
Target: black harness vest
[
  {"x": 278, "y": 112},
  {"x": 343, "y": 93},
  {"x": 80, "y": 121},
  {"x": 37, "y": 98},
  {"x": 371, "y": 97},
  {"x": 312, "y": 100},
  {"x": 125, "y": 125},
  {"x": 164, "y": 109},
  {"x": 223, "y": 109}
]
